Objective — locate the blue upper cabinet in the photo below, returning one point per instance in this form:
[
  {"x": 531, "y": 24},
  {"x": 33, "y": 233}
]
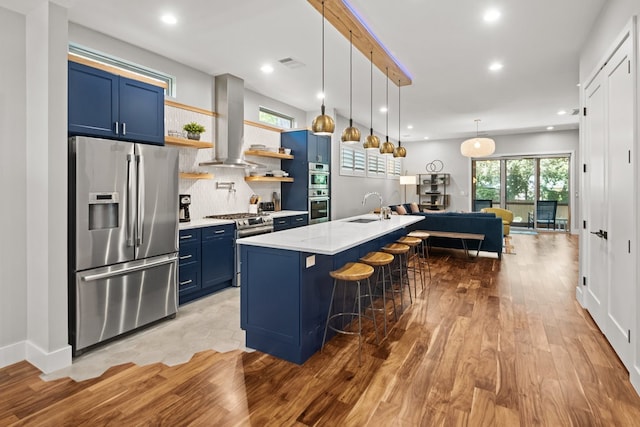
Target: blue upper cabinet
[
  {"x": 105, "y": 105},
  {"x": 305, "y": 145}
]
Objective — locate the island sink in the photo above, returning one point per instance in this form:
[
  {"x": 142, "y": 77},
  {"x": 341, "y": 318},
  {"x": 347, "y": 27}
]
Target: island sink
[{"x": 363, "y": 220}]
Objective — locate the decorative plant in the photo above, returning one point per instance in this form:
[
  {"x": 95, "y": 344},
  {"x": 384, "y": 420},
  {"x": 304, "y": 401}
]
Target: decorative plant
[{"x": 193, "y": 127}]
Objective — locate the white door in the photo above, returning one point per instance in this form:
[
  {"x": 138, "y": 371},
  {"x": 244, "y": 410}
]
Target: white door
[
  {"x": 621, "y": 202},
  {"x": 595, "y": 144}
]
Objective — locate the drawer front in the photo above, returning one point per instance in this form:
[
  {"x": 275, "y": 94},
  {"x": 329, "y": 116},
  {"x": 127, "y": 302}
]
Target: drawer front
[
  {"x": 299, "y": 220},
  {"x": 189, "y": 253},
  {"x": 191, "y": 235},
  {"x": 188, "y": 278},
  {"x": 281, "y": 223},
  {"x": 219, "y": 232}
]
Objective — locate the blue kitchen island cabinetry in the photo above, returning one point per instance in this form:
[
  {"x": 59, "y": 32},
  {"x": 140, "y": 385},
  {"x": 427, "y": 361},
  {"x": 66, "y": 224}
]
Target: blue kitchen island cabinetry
[
  {"x": 106, "y": 105},
  {"x": 206, "y": 261},
  {"x": 285, "y": 286}
]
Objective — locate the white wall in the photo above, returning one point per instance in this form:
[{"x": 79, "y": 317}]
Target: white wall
[
  {"x": 13, "y": 225},
  {"x": 448, "y": 151}
]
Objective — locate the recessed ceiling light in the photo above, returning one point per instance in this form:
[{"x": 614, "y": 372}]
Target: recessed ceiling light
[
  {"x": 383, "y": 109},
  {"x": 562, "y": 112},
  {"x": 410, "y": 127},
  {"x": 496, "y": 66},
  {"x": 169, "y": 19},
  {"x": 267, "y": 69},
  {"x": 549, "y": 127},
  {"x": 320, "y": 95},
  {"x": 492, "y": 15},
  {"x": 426, "y": 137},
  {"x": 578, "y": 84}
]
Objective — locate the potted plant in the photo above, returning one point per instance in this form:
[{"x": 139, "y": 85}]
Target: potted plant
[{"x": 193, "y": 130}]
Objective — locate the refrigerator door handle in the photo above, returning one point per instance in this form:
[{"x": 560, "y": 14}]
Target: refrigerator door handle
[
  {"x": 127, "y": 270},
  {"x": 130, "y": 201},
  {"x": 140, "y": 194}
]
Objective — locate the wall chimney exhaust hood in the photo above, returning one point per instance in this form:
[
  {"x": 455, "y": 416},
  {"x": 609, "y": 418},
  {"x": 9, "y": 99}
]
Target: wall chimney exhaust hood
[{"x": 229, "y": 106}]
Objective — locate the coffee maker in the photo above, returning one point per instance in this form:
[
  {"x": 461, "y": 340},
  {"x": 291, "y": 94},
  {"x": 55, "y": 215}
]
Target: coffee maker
[{"x": 185, "y": 201}]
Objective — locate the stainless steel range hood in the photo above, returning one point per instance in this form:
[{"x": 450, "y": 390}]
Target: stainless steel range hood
[{"x": 229, "y": 105}]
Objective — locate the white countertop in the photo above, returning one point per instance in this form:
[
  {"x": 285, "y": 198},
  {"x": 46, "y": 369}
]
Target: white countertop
[
  {"x": 208, "y": 222},
  {"x": 330, "y": 238}
]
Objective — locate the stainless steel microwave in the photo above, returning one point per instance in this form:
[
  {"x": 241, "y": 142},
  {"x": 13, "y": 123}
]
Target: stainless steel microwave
[{"x": 318, "y": 175}]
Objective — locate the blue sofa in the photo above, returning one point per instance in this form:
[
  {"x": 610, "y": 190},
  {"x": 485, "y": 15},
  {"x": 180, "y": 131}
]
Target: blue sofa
[{"x": 473, "y": 222}]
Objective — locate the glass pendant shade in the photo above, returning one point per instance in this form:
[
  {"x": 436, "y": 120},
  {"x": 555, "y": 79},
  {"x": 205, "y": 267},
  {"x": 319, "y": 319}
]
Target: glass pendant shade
[
  {"x": 478, "y": 147},
  {"x": 400, "y": 151},
  {"x": 371, "y": 142},
  {"x": 351, "y": 135},
  {"x": 323, "y": 124}
]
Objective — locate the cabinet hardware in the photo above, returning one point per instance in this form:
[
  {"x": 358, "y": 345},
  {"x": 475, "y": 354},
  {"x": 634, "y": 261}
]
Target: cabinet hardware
[
  {"x": 186, "y": 282},
  {"x": 124, "y": 128},
  {"x": 299, "y": 219},
  {"x": 185, "y": 257},
  {"x": 188, "y": 236},
  {"x": 117, "y": 128},
  {"x": 219, "y": 231}
]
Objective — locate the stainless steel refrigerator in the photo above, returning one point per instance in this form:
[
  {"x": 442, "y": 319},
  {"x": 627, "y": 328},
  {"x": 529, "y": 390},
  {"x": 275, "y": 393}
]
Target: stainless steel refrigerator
[{"x": 123, "y": 238}]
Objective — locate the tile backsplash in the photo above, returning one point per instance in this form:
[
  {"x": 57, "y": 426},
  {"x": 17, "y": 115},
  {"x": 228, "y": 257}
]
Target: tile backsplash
[{"x": 205, "y": 198}]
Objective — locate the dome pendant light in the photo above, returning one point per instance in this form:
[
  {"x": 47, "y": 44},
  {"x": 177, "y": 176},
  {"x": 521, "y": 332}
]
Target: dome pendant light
[
  {"x": 387, "y": 147},
  {"x": 351, "y": 135},
  {"x": 323, "y": 124},
  {"x": 478, "y": 147},
  {"x": 371, "y": 142},
  {"x": 399, "y": 151}
]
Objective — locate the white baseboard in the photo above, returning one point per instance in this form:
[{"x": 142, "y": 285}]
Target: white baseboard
[
  {"x": 580, "y": 297},
  {"x": 48, "y": 362},
  {"x": 634, "y": 377},
  {"x": 12, "y": 353}
]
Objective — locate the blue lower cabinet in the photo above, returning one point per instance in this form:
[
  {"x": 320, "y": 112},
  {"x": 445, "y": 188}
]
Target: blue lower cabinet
[
  {"x": 292, "y": 221},
  {"x": 206, "y": 261},
  {"x": 218, "y": 257}
]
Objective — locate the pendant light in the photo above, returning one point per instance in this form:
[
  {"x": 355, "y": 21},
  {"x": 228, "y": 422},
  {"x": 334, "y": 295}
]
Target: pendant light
[
  {"x": 387, "y": 147},
  {"x": 371, "y": 142},
  {"x": 323, "y": 124},
  {"x": 351, "y": 135},
  {"x": 478, "y": 147},
  {"x": 399, "y": 151}
]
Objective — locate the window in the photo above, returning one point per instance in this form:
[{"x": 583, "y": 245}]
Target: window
[
  {"x": 352, "y": 162},
  {"x": 394, "y": 167},
  {"x": 132, "y": 70},
  {"x": 275, "y": 119},
  {"x": 376, "y": 166}
]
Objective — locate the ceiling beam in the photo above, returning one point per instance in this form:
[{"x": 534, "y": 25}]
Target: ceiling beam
[{"x": 344, "y": 19}]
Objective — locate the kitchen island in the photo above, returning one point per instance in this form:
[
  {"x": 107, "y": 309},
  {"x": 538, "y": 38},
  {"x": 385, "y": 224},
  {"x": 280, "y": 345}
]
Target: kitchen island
[{"x": 285, "y": 282}]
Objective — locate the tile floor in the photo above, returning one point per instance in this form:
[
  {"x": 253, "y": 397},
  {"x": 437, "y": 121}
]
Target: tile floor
[{"x": 208, "y": 323}]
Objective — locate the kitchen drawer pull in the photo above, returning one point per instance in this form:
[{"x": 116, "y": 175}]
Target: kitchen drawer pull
[
  {"x": 185, "y": 257},
  {"x": 186, "y": 282},
  {"x": 188, "y": 236},
  {"x": 219, "y": 232},
  {"x": 299, "y": 219}
]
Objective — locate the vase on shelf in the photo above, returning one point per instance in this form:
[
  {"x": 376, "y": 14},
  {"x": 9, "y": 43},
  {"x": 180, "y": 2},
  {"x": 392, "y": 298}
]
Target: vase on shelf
[{"x": 193, "y": 135}]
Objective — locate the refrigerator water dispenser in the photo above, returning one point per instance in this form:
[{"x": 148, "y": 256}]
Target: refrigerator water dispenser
[{"x": 103, "y": 210}]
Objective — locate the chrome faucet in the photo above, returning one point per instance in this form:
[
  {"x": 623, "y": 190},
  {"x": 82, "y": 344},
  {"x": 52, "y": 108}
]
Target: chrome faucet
[{"x": 373, "y": 193}]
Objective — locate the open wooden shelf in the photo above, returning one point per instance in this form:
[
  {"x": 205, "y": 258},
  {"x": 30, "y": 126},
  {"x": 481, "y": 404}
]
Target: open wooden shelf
[
  {"x": 191, "y": 143},
  {"x": 273, "y": 154},
  {"x": 191, "y": 175},
  {"x": 267, "y": 179}
]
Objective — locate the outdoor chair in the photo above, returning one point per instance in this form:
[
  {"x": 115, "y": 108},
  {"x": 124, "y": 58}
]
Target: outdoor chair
[
  {"x": 545, "y": 213},
  {"x": 479, "y": 204}
]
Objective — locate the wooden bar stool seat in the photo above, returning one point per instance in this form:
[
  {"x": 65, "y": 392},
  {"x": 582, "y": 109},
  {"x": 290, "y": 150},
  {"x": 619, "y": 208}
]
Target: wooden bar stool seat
[
  {"x": 380, "y": 260},
  {"x": 402, "y": 251},
  {"x": 351, "y": 273}
]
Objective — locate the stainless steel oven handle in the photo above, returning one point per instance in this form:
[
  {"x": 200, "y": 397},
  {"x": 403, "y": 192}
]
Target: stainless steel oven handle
[{"x": 127, "y": 270}]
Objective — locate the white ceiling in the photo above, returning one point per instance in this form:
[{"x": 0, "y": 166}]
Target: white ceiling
[{"x": 445, "y": 46}]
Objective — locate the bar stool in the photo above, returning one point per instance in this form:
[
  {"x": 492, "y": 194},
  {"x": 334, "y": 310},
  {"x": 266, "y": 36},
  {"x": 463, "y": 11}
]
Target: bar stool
[
  {"x": 416, "y": 266},
  {"x": 400, "y": 250},
  {"x": 351, "y": 272},
  {"x": 382, "y": 260},
  {"x": 423, "y": 248}
]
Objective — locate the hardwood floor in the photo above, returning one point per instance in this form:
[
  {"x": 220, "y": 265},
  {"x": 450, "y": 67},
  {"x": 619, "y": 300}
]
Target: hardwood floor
[{"x": 489, "y": 342}]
